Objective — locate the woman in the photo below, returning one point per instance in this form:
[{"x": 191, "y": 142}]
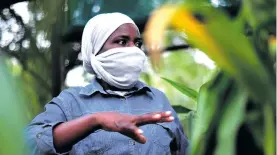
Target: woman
[{"x": 116, "y": 113}]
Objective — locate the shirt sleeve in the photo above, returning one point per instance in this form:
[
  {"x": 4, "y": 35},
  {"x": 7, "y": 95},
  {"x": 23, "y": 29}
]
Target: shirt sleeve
[
  {"x": 181, "y": 143},
  {"x": 39, "y": 133}
]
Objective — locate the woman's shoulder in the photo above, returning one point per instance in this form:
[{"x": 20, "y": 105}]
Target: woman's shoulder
[
  {"x": 157, "y": 93},
  {"x": 73, "y": 90},
  {"x": 68, "y": 94}
]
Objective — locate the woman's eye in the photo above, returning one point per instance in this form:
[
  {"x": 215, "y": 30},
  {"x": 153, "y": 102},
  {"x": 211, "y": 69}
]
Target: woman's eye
[
  {"x": 122, "y": 42},
  {"x": 138, "y": 44}
]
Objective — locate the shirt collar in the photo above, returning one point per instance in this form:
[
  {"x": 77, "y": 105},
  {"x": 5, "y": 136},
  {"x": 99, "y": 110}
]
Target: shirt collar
[
  {"x": 94, "y": 87},
  {"x": 91, "y": 88}
]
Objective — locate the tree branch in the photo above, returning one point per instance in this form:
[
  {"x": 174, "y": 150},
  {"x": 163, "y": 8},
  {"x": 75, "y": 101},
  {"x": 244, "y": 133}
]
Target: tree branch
[{"x": 40, "y": 80}]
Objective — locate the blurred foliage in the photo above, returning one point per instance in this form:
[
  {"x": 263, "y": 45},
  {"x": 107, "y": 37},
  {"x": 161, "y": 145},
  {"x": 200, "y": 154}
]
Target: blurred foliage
[
  {"x": 13, "y": 111},
  {"x": 29, "y": 47},
  {"x": 238, "y": 104},
  {"x": 188, "y": 72},
  {"x": 81, "y": 11}
]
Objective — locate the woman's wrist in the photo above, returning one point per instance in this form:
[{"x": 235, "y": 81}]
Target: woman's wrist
[{"x": 95, "y": 121}]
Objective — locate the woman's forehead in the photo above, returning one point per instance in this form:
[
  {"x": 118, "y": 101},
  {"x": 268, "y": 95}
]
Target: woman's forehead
[{"x": 126, "y": 30}]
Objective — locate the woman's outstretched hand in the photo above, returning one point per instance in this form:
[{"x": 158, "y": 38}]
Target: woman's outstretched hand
[{"x": 128, "y": 124}]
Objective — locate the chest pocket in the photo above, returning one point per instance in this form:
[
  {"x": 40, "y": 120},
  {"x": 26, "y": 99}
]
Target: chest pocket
[
  {"x": 102, "y": 142},
  {"x": 160, "y": 135}
]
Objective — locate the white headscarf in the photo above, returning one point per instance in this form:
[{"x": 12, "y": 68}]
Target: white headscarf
[{"x": 96, "y": 32}]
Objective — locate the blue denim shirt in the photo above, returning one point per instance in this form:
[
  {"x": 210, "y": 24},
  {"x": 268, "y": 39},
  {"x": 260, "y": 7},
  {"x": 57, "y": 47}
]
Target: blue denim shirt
[{"x": 75, "y": 102}]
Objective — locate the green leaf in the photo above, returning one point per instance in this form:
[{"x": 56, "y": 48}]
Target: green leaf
[
  {"x": 204, "y": 114},
  {"x": 231, "y": 50},
  {"x": 209, "y": 100},
  {"x": 13, "y": 119},
  {"x": 181, "y": 109},
  {"x": 236, "y": 54},
  {"x": 269, "y": 130},
  {"x": 231, "y": 119},
  {"x": 183, "y": 89}
]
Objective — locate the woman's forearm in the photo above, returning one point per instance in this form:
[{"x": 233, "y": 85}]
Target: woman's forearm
[{"x": 69, "y": 133}]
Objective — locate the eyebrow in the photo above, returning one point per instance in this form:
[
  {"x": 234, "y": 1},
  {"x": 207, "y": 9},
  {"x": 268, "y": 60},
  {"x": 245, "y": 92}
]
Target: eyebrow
[
  {"x": 138, "y": 38},
  {"x": 127, "y": 37}
]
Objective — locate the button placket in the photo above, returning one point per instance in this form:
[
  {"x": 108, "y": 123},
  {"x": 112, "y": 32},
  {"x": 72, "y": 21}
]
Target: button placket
[
  {"x": 132, "y": 144},
  {"x": 127, "y": 104}
]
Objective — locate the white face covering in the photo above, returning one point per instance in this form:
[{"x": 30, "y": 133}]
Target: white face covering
[{"x": 119, "y": 67}]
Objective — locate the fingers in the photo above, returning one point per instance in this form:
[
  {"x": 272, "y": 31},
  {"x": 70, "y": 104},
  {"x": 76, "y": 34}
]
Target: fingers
[
  {"x": 166, "y": 117},
  {"x": 135, "y": 133},
  {"x": 155, "y": 117}
]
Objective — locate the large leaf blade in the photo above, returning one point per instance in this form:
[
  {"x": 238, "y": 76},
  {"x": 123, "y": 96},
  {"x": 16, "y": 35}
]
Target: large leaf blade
[
  {"x": 207, "y": 105},
  {"x": 183, "y": 89},
  {"x": 231, "y": 50},
  {"x": 230, "y": 123},
  {"x": 13, "y": 119},
  {"x": 269, "y": 131}
]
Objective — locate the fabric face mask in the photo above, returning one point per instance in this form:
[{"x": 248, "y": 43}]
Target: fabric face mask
[{"x": 119, "y": 67}]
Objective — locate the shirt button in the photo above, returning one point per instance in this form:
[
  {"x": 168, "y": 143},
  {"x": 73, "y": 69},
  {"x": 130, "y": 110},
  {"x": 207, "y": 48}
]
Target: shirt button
[
  {"x": 38, "y": 135},
  {"x": 131, "y": 142}
]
